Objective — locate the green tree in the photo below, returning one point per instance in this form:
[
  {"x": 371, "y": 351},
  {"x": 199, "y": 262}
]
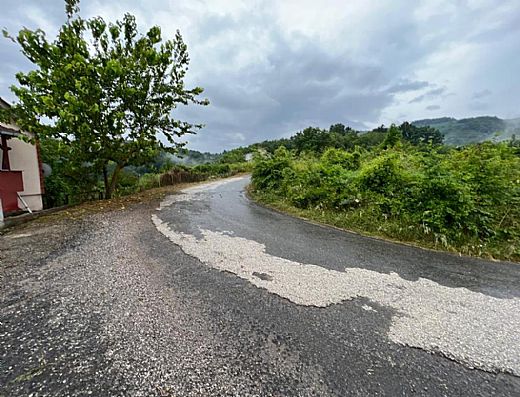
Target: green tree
[
  {"x": 417, "y": 135},
  {"x": 311, "y": 139},
  {"x": 105, "y": 90},
  {"x": 70, "y": 181},
  {"x": 392, "y": 137},
  {"x": 339, "y": 128},
  {"x": 234, "y": 156}
]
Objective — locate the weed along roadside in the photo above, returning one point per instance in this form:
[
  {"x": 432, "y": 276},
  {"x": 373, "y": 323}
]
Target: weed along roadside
[
  {"x": 463, "y": 201},
  {"x": 78, "y": 211}
]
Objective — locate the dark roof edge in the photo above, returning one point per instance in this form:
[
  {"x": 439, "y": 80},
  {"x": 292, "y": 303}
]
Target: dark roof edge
[{"x": 4, "y": 102}]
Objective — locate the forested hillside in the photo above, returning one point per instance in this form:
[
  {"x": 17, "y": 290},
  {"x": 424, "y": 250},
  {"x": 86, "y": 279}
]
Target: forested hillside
[
  {"x": 446, "y": 130},
  {"x": 472, "y": 130}
]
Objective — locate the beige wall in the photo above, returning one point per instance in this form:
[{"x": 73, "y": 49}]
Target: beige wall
[{"x": 24, "y": 157}]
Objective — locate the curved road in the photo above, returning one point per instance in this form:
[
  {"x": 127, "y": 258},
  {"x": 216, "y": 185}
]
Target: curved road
[
  {"x": 209, "y": 294},
  {"x": 353, "y": 315}
]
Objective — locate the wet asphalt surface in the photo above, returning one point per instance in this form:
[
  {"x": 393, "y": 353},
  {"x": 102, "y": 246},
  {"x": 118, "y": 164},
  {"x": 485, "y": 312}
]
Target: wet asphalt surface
[
  {"x": 109, "y": 306},
  {"x": 229, "y": 210}
]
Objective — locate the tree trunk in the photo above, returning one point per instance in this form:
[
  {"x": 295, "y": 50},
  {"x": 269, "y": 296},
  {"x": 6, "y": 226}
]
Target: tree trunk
[
  {"x": 105, "y": 179},
  {"x": 110, "y": 187}
]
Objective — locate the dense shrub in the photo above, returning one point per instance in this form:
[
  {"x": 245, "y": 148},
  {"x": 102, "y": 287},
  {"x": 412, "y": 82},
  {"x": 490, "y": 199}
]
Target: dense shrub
[
  {"x": 347, "y": 160},
  {"x": 149, "y": 181},
  {"x": 384, "y": 174},
  {"x": 268, "y": 170},
  {"x": 127, "y": 182},
  {"x": 466, "y": 197}
]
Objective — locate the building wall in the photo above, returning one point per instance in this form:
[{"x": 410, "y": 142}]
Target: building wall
[{"x": 24, "y": 157}]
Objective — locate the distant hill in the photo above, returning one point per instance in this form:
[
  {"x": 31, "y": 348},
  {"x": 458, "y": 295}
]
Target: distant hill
[
  {"x": 193, "y": 157},
  {"x": 475, "y": 129},
  {"x": 456, "y": 132}
]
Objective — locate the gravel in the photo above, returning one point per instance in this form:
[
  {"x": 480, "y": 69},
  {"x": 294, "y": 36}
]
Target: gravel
[
  {"x": 476, "y": 329},
  {"x": 103, "y": 304},
  {"x": 87, "y": 310}
]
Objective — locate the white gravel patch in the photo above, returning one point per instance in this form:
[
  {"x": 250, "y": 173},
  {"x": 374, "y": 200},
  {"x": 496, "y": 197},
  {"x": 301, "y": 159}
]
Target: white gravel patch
[{"x": 476, "y": 329}]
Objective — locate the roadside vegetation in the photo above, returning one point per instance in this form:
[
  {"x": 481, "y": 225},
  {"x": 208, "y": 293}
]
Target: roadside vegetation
[
  {"x": 101, "y": 101},
  {"x": 71, "y": 182},
  {"x": 404, "y": 185}
]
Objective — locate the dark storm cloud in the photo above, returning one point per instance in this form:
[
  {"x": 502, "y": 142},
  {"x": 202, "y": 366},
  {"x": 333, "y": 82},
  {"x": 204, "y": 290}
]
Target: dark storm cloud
[
  {"x": 301, "y": 87},
  {"x": 431, "y": 94}
]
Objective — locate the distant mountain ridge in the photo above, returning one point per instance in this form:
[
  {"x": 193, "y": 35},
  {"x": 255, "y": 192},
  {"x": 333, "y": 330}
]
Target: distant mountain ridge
[
  {"x": 457, "y": 132},
  {"x": 474, "y": 129}
]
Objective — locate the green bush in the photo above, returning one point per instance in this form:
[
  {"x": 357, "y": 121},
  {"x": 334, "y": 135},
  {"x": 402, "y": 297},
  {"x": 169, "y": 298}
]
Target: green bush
[
  {"x": 268, "y": 170},
  {"x": 347, "y": 160},
  {"x": 467, "y": 198},
  {"x": 127, "y": 183},
  {"x": 149, "y": 181},
  {"x": 213, "y": 169},
  {"x": 384, "y": 174}
]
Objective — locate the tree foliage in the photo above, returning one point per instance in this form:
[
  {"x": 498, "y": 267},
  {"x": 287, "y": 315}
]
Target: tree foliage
[
  {"x": 105, "y": 90},
  {"x": 338, "y": 136},
  {"x": 417, "y": 135},
  {"x": 70, "y": 181},
  {"x": 393, "y": 137}
]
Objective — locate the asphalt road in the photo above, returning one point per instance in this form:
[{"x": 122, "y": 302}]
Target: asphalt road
[
  {"x": 374, "y": 316},
  {"x": 209, "y": 294}
]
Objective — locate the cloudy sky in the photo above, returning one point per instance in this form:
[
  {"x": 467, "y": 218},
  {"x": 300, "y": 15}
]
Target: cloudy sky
[{"x": 271, "y": 68}]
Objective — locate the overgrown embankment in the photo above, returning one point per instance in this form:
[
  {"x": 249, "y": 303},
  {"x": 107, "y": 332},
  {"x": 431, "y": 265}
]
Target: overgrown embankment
[
  {"x": 465, "y": 200},
  {"x": 132, "y": 183},
  {"x": 72, "y": 186}
]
